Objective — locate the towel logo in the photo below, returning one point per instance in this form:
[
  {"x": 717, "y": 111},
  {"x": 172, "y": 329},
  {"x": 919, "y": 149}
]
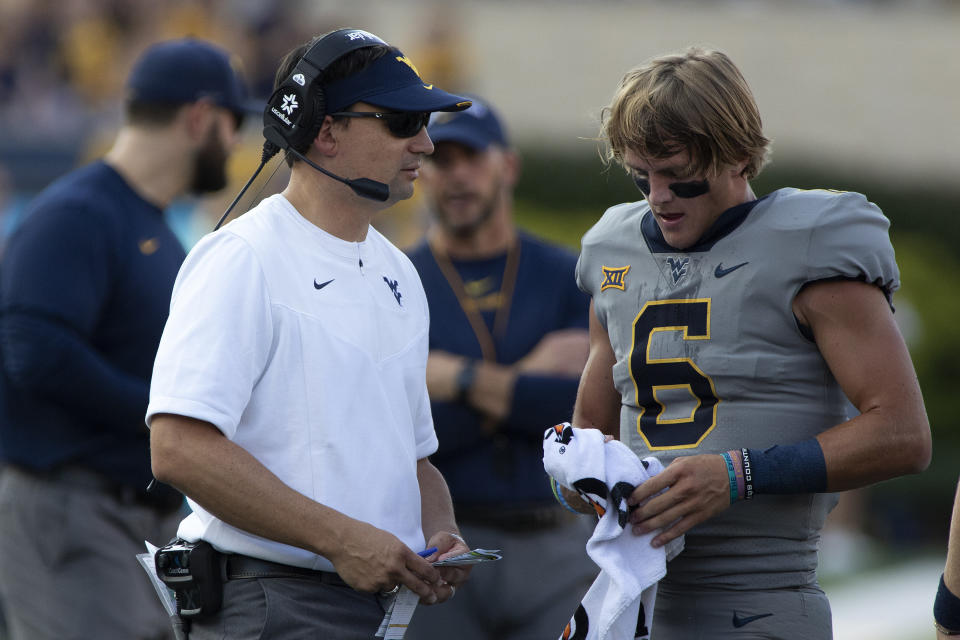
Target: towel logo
[
  {"x": 562, "y": 433},
  {"x": 578, "y": 627},
  {"x": 613, "y": 278}
]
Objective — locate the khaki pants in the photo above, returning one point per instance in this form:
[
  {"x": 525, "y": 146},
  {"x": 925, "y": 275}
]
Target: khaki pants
[{"x": 68, "y": 567}]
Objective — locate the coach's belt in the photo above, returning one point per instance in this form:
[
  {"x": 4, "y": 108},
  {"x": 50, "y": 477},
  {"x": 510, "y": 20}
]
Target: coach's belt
[
  {"x": 516, "y": 518},
  {"x": 239, "y": 567}
]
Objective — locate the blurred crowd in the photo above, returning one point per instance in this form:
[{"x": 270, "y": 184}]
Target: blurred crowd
[{"x": 63, "y": 62}]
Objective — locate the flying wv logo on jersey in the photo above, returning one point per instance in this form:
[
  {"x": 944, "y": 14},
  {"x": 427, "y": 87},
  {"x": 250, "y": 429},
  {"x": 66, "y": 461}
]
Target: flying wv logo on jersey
[{"x": 679, "y": 268}]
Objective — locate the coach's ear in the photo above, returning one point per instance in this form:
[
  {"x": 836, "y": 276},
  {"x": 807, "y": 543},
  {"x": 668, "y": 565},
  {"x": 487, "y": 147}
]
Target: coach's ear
[{"x": 327, "y": 140}]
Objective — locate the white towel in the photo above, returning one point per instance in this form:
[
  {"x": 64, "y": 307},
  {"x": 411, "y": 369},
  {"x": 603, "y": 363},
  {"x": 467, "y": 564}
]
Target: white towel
[{"x": 606, "y": 474}]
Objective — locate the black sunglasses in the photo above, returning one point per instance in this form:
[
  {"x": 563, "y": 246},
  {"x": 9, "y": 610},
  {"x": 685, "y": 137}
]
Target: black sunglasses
[
  {"x": 686, "y": 190},
  {"x": 402, "y": 124}
]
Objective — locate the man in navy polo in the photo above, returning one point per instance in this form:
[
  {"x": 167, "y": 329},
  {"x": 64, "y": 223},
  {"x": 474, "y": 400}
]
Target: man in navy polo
[
  {"x": 84, "y": 291},
  {"x": 508, "y": 341}
]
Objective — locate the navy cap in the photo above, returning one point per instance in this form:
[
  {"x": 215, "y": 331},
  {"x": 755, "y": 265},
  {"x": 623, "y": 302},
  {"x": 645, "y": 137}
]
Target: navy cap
[
  {"x": 391, "y": 82},
  {"x": 187, "y": 70},
  {"x": 477, "y": 127}
]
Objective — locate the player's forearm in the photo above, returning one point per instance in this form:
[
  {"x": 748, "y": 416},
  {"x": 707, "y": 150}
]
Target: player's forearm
[
  {"x": 598, "y": 402},
  {"x": 877, "y": 445},
  {"x": 230, "y": 483}
]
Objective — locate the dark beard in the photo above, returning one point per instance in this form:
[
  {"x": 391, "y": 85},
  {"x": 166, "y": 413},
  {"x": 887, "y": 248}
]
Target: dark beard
[
  {"x": 209, "y": 166},
  {"x": 466, "y": 230}
]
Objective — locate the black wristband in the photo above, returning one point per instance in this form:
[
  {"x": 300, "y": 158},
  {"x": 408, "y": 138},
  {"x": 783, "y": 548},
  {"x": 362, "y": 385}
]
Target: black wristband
[
  {"x": 946, "y": 610},
  {"x": 465, "y": 380}
]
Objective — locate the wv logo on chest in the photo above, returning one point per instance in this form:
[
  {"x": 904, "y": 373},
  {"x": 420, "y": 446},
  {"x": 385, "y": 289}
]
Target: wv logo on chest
[
  {"x": 394, "y": 287},
  {"x": 679, "y": 268}
]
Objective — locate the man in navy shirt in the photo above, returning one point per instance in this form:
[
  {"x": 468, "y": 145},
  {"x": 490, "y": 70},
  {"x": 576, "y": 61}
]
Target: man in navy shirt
[
  {"x": 85, "y": 286},
  {"x": 508, "y": 341}
]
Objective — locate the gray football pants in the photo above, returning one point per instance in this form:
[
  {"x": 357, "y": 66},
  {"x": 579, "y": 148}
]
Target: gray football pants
[{"x": 775, "y": 614}]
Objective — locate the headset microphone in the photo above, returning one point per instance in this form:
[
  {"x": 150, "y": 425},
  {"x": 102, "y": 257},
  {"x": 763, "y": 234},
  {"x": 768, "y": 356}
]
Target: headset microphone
[{"x": 364, "y": 187}]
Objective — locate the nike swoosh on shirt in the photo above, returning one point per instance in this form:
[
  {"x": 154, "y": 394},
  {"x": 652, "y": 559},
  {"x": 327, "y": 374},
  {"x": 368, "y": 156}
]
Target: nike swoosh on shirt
[
  {"x": 741, "y": 622},
  {"x": 720, "y": 271},
  {"x": 321, "y": 285}
]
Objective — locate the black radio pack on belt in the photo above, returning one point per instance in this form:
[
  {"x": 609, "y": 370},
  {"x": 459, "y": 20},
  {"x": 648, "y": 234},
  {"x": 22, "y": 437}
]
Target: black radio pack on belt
[{"x": 193, "y": 571}]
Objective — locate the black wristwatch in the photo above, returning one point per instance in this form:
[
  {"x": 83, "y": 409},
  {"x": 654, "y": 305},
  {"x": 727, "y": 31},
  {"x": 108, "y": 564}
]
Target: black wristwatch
[{"x": 465, "y": 380}]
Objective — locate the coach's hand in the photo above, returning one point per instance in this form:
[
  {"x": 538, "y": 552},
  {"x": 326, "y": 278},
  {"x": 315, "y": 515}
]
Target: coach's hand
[
  {"x": 448, "y": 545},
  {"x": 373, "y": 560},
  {"x": 697, "y": 488}
]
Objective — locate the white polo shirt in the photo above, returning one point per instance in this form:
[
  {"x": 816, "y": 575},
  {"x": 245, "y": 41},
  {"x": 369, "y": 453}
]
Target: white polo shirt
[{"x": 309, "y": 352}]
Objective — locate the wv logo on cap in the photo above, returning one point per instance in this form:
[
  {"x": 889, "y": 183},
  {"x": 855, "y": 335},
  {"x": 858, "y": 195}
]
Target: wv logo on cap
[{"x": 405, "y": 60}]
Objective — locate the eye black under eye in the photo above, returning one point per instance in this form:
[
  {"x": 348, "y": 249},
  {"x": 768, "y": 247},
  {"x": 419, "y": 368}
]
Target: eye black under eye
[
  {"x": 643, "y": 184},
  {"x": 690, "y": 189}
]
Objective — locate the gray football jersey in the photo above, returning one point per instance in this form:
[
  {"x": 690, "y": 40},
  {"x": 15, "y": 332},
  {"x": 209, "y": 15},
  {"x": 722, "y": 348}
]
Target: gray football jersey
[{"x": 709, "y": 356}]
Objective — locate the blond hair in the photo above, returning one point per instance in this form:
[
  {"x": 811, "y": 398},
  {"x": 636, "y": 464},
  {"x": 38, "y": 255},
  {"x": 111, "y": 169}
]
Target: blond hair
[{"x": 695, "y": 101}]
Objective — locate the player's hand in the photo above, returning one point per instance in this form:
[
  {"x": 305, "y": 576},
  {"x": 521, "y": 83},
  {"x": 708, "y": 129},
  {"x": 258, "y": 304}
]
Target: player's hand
[
  {"x": 697, "y": 488},
  {"x": 373, "y": 560},
  {"x": 447, "y": 546}
]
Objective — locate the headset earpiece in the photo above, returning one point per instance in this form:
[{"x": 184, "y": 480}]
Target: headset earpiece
[{"x": 295, "y": 111}]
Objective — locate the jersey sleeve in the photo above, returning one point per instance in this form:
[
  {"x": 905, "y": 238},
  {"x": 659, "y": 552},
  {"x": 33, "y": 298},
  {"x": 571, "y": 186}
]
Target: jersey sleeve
[
  {"x": 218, "y": 339},
  {"x": 851, "y": 241}
]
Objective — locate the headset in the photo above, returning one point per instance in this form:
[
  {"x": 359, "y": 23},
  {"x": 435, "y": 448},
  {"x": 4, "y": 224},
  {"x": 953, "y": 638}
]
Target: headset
[{"x": 296, "y": 109}]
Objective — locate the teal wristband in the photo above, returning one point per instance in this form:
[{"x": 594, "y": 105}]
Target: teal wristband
[
  {"x": 733, "y": 477},
  {"x": 559, "y": 496}
]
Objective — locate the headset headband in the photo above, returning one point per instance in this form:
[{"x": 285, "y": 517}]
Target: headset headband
[{"x": 296, "y": 109}]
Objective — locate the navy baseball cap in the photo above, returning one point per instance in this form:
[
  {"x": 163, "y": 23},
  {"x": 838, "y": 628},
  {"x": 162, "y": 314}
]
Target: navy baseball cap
[
  {"x": 391, "y": 82},
  {"x": 477, "y": 127},
  {"x": 188, "y": 70}
]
